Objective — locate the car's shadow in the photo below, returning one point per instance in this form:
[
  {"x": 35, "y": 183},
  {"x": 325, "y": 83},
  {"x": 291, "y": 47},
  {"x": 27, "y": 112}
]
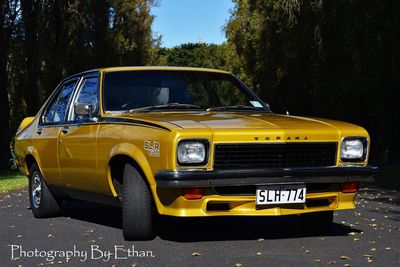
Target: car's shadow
[{"x": 204, "y": 229}]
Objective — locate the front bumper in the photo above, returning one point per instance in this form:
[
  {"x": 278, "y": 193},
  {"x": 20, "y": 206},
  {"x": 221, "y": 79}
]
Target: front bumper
[{"x": 235, "y": 177}]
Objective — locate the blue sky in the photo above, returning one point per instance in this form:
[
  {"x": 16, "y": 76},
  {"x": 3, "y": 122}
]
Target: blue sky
[{"x": 184, "y": 21}]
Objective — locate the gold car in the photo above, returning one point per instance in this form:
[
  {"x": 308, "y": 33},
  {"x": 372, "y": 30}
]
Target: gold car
[{"x": 185, "y": 142}]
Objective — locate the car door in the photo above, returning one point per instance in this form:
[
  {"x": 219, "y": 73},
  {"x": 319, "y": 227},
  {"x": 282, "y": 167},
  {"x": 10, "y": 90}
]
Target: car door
[
  {"x": 47, "y": 132},
  {"x": 77, "y": 151}
]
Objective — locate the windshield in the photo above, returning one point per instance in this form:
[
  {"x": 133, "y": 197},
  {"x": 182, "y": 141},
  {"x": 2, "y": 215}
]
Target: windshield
[{"x": 171, "y": 90}]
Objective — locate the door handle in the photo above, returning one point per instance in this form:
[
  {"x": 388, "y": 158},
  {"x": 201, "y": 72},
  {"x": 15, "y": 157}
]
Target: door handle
[
  {"x": 65, "y": 129},
  {"x": 39, "y": 131}
]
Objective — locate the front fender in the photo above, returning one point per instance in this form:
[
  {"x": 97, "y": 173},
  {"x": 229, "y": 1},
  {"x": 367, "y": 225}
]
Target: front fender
[{"x": 132, "y": 151}]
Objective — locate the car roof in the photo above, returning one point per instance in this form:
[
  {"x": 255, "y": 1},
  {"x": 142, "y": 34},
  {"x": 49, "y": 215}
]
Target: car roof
[
  {"x": 133, "y": 68},
  {"x": 160, "y": 68}
]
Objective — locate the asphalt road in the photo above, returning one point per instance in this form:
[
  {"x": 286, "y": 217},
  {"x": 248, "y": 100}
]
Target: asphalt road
[{"x": 367, "y": 236}]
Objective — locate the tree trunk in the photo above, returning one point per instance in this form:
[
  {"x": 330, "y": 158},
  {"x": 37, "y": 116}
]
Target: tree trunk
[
  {"x": 4, "y": 99},
  {"x": 30, "y": 22}
]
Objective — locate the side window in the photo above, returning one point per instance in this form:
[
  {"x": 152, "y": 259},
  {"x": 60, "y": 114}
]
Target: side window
[
  {"x": 58, "y": 108},
  {"x": 88, "y": 93}
]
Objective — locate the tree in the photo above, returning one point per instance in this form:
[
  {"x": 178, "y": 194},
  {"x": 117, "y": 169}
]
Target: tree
[
  {"x": 338, "y": 59},
  {"x": 195, "y": 55},
  {"x": 43, "y": 41},
  {"x": 8, "y": 17}
]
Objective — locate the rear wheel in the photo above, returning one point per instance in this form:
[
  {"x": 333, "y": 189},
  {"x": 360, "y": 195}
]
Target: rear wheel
[
  {"x": 42, "y": 201},
  {"x": 317, "y": 222},
  {"x": 137, "y": 214}
]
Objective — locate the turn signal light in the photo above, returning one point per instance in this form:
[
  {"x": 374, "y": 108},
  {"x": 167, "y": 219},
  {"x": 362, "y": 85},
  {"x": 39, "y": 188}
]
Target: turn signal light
[
  {"x": 350, "y": 187},
  {"x": 193, "y": 193}
]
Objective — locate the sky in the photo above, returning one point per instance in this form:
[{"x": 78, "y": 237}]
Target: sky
[{"x": 185, "y": 21}]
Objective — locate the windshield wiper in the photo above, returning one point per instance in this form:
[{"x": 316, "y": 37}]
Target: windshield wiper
[
  {"x": 240, "y": 107},
  {"x": 167, "y": 106}
]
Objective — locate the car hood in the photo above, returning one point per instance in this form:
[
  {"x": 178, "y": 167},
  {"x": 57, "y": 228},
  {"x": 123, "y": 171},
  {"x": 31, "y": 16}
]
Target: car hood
[
  {"x": 246, "y": 127},
  {"x": 225, "y": 120}
]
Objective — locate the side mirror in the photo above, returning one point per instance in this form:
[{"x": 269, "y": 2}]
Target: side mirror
[{"x": 83, "y": 109}]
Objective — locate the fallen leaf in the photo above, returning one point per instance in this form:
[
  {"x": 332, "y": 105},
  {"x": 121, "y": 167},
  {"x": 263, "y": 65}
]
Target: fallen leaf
[
  {"x": 260, "y": 239},
  {"x": 373, "y": 249},
  {"x": 317, "y": 260},
  {"x": 356, "y": 239},
  {"x": 307, "y": 252},
  {"x": 346, "y": 265},
  {"x": 345, "y": 258},
  {"x": 352, "y": 233},
  {"x": 387, "y": 248},
  {"x": 238, "y": 265},
  {"x": 196, "y": 254}
]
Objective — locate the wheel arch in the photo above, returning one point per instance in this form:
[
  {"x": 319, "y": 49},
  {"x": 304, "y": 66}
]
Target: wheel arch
[
  {"x": 29, "y": 160},
  {"x": 128, "y": 153}
]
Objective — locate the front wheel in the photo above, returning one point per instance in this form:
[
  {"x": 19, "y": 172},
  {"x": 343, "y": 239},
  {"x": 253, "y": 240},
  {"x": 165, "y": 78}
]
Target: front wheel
[
  {"x": 317, "y": 222},
  {"x": 42, "y": 201},
  {"x": 137, "y": 211}
]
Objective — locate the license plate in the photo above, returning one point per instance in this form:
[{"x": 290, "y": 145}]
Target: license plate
[{"x": 281, "y": 194}]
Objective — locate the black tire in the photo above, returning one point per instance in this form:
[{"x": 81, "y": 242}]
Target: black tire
[
  {"x": 137, "y": 211},
  {"x": 317, "y": 222},
  {"x": 42, "y": 201}
]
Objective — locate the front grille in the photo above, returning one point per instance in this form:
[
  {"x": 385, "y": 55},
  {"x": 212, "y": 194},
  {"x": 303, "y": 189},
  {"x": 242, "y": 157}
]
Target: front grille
[{"x": 274, "y": 155}]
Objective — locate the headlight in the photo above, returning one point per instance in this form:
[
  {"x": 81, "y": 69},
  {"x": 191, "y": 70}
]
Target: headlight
[
  {"x": 353, "y": 149},
  {"x": 192, "y": 152}
]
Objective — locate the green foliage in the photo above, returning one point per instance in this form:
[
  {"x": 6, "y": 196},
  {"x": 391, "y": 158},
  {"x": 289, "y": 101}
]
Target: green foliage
[
  {"x": 12, "y": 182},
  {"x": 338, "y": 59},
  {"x": 194, "y": 55},
  {"x": 42, "y": 42}
]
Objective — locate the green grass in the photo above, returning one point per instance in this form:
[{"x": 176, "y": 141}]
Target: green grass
[
  {"x": 389, "y": 178},
  {"x": 10, "y": 182}
]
